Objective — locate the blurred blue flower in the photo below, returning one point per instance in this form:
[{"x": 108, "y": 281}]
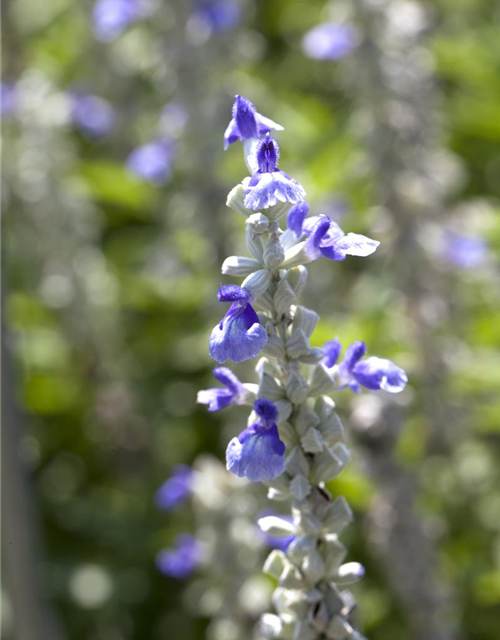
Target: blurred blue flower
[
  {"x": 372, "y": 373},
  {"x": 327, "y": 239},
  {"x": 269, "y": 185},
  {"x": 181, "y": 561},
  {"x": 239, "y": 336},
  {"x": 258, "y": 453},
  {"x": 464, "y": 251},
  {"x": 177, "y": 489},
  {"x": 218, "y": 15},
  {"x": 246, "y": 123},
  {"x": 217, "y": 399},
  {"x": 153, "y": 161},
  {"x": 330, "y": 41},
  {"x": 94, "y": 116},
  {"x": 8, "y": 99},
  {"x": 112, "y": 17}
]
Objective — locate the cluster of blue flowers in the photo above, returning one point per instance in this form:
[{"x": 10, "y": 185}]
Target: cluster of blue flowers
[
  {"x": 112, "y": 17},
  {"x": 258, "y": 452},
  {"x": 188, "y": 553}
]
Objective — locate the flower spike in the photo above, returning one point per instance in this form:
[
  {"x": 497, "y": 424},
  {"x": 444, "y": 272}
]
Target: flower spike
[{"x": 247, "y": 123}]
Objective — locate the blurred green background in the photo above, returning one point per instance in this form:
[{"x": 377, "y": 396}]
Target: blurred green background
[{"x": 110, "y": 280}]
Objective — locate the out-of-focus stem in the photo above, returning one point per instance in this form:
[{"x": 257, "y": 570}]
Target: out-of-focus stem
[
  {"x": 396, "y": 94},
  {"x": 32, "y": 618}
]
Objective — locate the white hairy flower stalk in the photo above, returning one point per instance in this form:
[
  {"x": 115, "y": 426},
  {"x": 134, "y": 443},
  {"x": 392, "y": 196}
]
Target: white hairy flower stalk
[{"x": 310, "y": 600}]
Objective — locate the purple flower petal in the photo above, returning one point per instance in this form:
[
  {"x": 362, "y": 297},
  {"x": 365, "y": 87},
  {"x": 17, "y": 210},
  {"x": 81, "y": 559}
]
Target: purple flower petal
[
  {"x": 258, "y": 456},
  {"x": 220, "y": 398},
  {"x": 332, "y": 352},
  {"x": 258, "y": 453},
  {"x": 378, "y": 373},
  {"x": 239, "y": 336},
  {"x": 219, "y": 15},
  {"x": 182, "y": 560},
  {"x": 355, "y": 244},
  {"x": 112, "y": 17},
  {"x": 246, "y": 122},
  {"x": 270, "y": 188},
  {"x": 232, "y": 293},
  {"x": 296, "y": 217},
  {"x": 177, "y": 489}
]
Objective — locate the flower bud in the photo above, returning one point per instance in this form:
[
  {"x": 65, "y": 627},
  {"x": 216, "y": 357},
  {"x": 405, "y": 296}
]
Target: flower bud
[
  {"x": 275, "y": 563},
  {"x": 321, "y": 382},
  {"x": 258, "y": 223},
  {"x": 297, "y": 388},
  {"x": 255, "y": 244},
  {"x": 235, "y": 200},
  {"x": 297, "y": 278},
  {"x": 285, "y": 409},
  {"x": 312, "y": 442},
  {"x": 273, "y": 253},
  {"x": 300, "y": 487},
  {"x": 239, "y": 266},
  {"x": 296, "y": 463},
  {"x": 269, "y": 388},
  {"x": 257, "y": 283},
  {"x": 330, "y": 462},
  {"x": 276, "y": 527},
  {"x": 338, "y": 516},
  {"x": 284, "y": 298},
  {"x": 297, "y": 345},
  {"x": 349, "y": 573},
  {"x": 305, "y": 319}
]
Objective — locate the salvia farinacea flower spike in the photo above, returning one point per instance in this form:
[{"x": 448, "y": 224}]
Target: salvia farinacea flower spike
[{"x": 294, "y": 439}]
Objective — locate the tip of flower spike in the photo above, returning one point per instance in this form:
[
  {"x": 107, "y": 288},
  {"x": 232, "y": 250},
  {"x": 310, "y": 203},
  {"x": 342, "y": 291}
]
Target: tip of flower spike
[
  {"x": 266, "y": 410},
  {"x": 244, "y": 114},
  {"x": 268, "y": 153}
]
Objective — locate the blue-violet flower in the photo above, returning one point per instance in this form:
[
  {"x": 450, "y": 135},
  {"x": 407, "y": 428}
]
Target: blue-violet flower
[
  {"x": 112, "y": 17},
  {"x": 327, "y": 239},
  {"x": 177, "y": 489},
  {"x": 94, "y": 116},
  {"x": 8, "y": 99},
  {"x": 464, "y": 251},
  {"x": 269, "y": 185},
  {"x": 218, "y": 15},
  {"x": 330, "y": 41},
  {"x": 239, "y": 336},
  {"x": 258, "y": 453},
  {"x": 247, "y": 123},
  {"x": 181, "y": 561},
  {"x": 372, "y": 373},
  {"x": 153, "y": 161},
  {"x": 217, "y": 399}
]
